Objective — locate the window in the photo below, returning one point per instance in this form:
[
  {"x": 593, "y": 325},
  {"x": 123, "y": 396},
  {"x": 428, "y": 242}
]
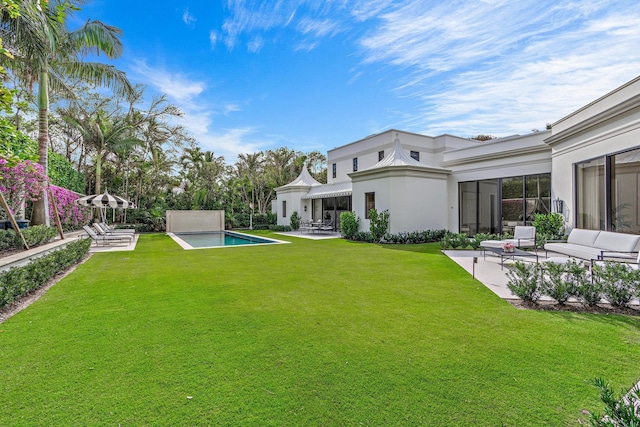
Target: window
[
  {"x": 415, "y": 155},
  {"x": 284, "y": 208},
  {"x": 334, "y": 170},
  {"x": 355, "y": 164},
  {"x": 369, "y": 203},
  {"x": 380, "y": 155},
  {"x": 498, "y": 205},
  {"x": 607, "y": 193}
]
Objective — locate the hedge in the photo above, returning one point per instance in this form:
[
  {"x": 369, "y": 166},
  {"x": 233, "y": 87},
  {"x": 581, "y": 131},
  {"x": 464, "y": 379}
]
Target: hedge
[{"x": 19, "y": 281}]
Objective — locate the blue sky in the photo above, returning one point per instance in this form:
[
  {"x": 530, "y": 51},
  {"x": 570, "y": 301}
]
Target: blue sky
[{"x": 312, "y": 75}]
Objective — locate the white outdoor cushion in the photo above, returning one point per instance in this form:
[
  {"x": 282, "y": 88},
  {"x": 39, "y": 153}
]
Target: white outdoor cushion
[
  {"x": 583, "y": 237},
  {"x": 524, "y": 232},
  {"x": 573, "y": 250},
  {"x": 491, "y": 243},
  {"x": 522, "y": 243},
  {"x": 620, "y": 242}
]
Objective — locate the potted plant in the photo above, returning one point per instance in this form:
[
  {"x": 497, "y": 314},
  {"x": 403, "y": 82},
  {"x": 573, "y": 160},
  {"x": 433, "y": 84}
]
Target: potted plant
[{"x": 507, "y": 247}]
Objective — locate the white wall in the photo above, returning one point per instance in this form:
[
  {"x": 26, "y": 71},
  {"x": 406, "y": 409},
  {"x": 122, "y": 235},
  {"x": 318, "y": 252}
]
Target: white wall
[
  {"x": 293, "y": 197},
  {"x": 366, "y": 150},
  {"x": 194, "y": 221},
  {"x": 415, "y": 200}
]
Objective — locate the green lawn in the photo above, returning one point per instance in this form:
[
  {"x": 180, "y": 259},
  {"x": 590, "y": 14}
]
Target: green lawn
[{"x": 327, "y": 333}]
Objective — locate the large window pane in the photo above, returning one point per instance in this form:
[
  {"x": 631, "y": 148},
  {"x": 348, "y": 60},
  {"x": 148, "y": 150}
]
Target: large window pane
[
  {"x": 538, "y": 200},
  {"x": 624, "y": 188},
  {"x": 488, "y": 206},
  {"x": 468, "y": 200},
  {"x": 512, "y": 203},
  {"x": 591, "y": 197}
]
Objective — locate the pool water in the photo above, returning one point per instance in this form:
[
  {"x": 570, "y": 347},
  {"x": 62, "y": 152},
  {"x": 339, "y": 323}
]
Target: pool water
[{"x": 216, "y": 240}]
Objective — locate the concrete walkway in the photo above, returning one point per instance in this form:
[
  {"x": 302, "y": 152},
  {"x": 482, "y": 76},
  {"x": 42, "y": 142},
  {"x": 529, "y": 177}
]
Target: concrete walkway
[{"x": 24, "y": 257}]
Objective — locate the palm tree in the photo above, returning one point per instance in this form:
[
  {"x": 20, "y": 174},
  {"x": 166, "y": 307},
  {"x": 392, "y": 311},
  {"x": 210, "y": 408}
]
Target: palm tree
[
  {"x": 44, "y": 51},
  {"x": 105, "y": 135}
]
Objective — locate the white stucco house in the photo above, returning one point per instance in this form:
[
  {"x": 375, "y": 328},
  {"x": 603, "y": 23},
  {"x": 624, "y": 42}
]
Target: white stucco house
[{"x": 587, "y": 167}]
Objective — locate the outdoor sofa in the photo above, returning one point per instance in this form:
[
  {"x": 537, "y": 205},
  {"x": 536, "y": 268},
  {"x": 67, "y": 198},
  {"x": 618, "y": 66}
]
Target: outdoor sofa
[{"x": 597, "y": 245}]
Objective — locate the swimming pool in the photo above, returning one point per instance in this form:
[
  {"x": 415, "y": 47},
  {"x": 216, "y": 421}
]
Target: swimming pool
[{"x": 218, "y": 240}]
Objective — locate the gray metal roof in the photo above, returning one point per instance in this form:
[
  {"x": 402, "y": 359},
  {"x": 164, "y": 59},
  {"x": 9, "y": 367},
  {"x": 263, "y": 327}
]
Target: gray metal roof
[
  {"x": 324, "y": 191},
  {"x": 396, "y": 157},
  {"x": 303, "y": 180}
]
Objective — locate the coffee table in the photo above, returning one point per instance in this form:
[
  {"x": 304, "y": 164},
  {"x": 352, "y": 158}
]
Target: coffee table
[{"x": 502, "y": 254}]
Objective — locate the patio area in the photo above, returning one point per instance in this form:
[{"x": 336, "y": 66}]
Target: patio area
[{"x": 489, "y": 272}]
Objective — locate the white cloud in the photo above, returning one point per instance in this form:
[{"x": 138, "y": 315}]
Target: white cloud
[
  {"x": 255, "y": 45},
  {"x": 213, "y": 38},
  {"x": 188, "y": 18},
  {"x": 199, "y": 112},
  {"x": 176, "y": 86},
  {"x": 231, "y": 142},
  {"x": 504, "y": 68}
]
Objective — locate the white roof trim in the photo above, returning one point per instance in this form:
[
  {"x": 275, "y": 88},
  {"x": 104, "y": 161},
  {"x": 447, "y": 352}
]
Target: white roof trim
[{"x": 324, "y": 191}]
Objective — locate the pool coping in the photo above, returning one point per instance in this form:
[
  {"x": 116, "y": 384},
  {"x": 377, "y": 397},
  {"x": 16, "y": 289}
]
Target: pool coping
[{"x": 187, "y": 247}]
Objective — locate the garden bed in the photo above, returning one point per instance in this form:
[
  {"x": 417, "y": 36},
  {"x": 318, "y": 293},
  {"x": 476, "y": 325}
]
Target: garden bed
[{"x": 575, "y": 307}]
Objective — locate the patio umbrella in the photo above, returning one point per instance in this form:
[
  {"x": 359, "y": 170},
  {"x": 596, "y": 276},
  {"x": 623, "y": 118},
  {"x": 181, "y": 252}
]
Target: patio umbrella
[{"x": 104, "y": 201}]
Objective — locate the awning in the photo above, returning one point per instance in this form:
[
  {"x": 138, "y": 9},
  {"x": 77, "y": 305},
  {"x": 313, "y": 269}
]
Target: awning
[{"x": 325, "y": 191}]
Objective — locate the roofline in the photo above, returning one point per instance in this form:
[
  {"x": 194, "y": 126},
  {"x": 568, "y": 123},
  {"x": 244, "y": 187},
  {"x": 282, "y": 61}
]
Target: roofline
[
  {"x": 618, "y": 89},
  {"x": 378, "y": 134}
]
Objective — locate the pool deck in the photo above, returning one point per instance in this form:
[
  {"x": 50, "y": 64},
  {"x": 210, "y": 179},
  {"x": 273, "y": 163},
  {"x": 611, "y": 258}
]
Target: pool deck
[{"x": 311, "y": 236}]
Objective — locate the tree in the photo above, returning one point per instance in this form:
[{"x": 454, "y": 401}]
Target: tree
[
  {"x": 483, "y": 137},
  {"x": 104, "y": 134},
  {"x": 45, "y": 50}
]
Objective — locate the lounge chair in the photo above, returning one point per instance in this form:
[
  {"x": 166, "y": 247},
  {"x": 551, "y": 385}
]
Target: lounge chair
[
  {"x": 326, "y": 226},
  {"x": 110, "y": 230},
  {"x": 105, "y": 239},
  {"x": 306, "y": 226}
]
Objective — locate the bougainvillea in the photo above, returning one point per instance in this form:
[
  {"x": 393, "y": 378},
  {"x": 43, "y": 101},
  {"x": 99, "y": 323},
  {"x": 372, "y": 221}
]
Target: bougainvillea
[
  {"x": 25, "y": 181},
  {"x": 72, "y": 216}
]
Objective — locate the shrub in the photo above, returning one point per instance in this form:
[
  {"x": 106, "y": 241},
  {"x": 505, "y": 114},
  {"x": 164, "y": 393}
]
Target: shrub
[
  {"x": 349, "y": 224},
  {"x": 617, "y": 411},
  {"x": 35, "y": 236},
  {"x": 72, "y": 216},
  {"x": 589, "y": 292},
  {"x": 363, "y": 236},
  {"x": 455, "y": 241},
  {"x": 295, "y": 220},
  {"x": 378, "y": 224},
  {"x": 38, "y": 235},
  {"x": 280, "y": 227},
  {"x": 19, "y": 281},
  {"x": 561, "y": 281},
  {"x": 524, "y": 281},
  {"x": 617, "y": 282},
  {"x": 548, "y": 227}
]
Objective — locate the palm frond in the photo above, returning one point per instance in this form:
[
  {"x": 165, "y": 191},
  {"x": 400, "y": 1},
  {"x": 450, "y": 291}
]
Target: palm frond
[
  {"x": 100, "y": 75},
  {"x": 97, "y": 37}
]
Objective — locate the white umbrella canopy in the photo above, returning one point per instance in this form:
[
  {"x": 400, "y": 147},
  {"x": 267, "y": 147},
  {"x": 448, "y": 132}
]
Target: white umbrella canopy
[{"x": 104, "y": 201}]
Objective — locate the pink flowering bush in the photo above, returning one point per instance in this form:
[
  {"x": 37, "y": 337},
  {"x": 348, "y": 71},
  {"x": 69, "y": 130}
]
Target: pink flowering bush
[
  {"x": 72, "y": 216},
  {"x": 24, "y": 181}
]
